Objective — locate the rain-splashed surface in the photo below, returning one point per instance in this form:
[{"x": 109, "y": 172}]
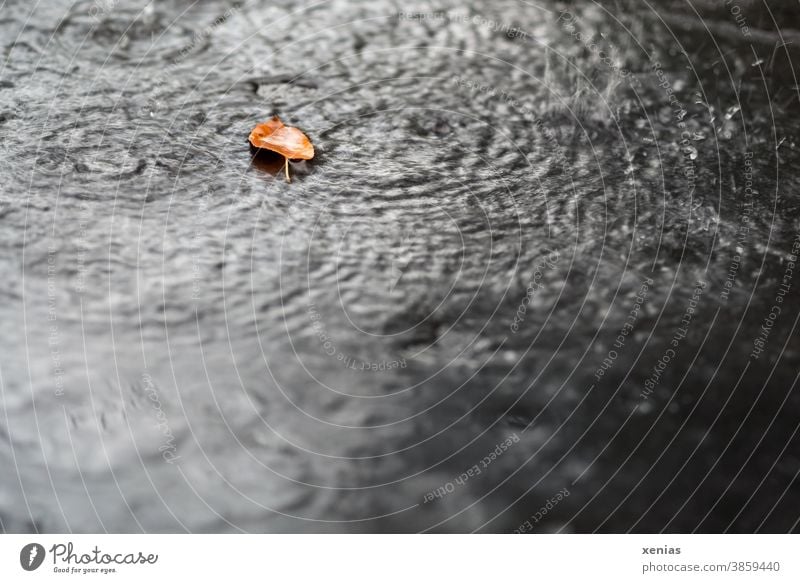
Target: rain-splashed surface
[{"x": 479, "y": 299}]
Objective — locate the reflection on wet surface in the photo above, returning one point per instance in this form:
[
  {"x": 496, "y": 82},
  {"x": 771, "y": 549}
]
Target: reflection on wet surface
[{"x": 189, "y": 343}]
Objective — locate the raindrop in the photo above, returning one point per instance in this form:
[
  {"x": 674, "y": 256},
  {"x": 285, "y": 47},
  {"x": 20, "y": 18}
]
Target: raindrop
[{"x": 733, "y": 110}]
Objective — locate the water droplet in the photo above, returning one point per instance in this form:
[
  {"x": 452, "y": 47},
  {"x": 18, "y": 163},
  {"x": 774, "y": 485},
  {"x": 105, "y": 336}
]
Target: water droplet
[{"x": 731, "y": 111}]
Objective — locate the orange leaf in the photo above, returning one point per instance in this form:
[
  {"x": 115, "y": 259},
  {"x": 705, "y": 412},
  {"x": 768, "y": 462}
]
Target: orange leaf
[{"x": 287, "y": 141}]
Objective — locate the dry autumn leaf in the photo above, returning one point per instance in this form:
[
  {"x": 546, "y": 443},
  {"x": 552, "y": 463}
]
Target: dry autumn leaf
[{"x": 287, "y": 141}]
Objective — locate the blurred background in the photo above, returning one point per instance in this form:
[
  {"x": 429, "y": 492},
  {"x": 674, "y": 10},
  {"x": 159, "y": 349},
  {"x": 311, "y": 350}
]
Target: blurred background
[{"x": 539, "y": 277}]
